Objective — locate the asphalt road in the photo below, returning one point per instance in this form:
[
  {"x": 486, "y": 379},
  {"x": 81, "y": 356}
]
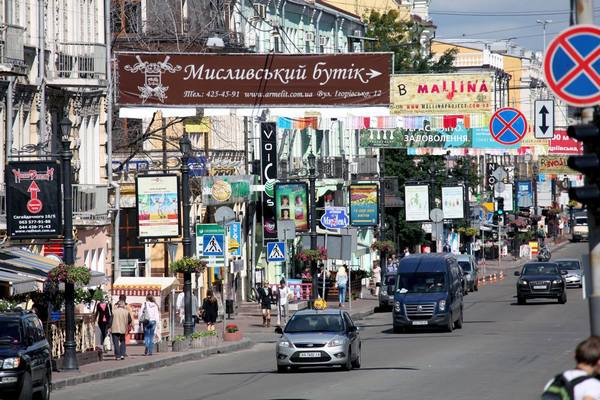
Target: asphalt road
[{"x": 504, "y": 351}]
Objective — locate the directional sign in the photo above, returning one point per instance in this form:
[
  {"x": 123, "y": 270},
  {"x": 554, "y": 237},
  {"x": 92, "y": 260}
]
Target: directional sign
[
  {"x": 571, "y": 65},
  {"x": 508, "y": 126},
  {"x": 34, "y": 205},
  {"x": 213, "y": 245},
  {"x": 275, "y": 252},
  {"x": 544, "y": 119}
]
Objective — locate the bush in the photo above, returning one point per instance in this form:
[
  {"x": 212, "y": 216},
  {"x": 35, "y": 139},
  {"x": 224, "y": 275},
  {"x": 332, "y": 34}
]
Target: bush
[
  {"x": 179, "y": 339},
  {"x": 77, "y": 275},
  {"x": 188, "y": 264},
  {"x": 386, "y": 246},
  {"x": 201, "y": 334},
  {"x": 6, "y": 305}
]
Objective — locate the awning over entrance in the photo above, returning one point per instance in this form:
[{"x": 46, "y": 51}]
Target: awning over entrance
[
  {"x": 19, "y": 283},
  {"x": 145, "y": 283}
]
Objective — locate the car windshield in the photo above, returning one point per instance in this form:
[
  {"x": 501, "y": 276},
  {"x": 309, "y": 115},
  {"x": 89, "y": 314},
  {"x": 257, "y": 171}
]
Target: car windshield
[
  {"x": 422, "y": 282},
  {"x": 465, "y": 265},
  {"x": 581, "y": 221},
  {"x": 9, "y": 332},
  {"x": 540, "y": 269},
  {"x": 315, "y": 323},
  {"x": 568, "y": 265}
]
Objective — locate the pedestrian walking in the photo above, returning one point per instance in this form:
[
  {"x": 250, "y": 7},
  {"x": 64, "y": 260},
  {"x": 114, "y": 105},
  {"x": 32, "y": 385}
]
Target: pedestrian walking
[
  {"x": 377, "y": 278},
  {"x": 102, "y": 316},
  {"x": 264, "y": 295},
  {"x": 283, "y": 297},
  {"x": 581, "y": 383},
  {"x": 121, "y": 321},
  {"x": 123, "y": 298},
  {"x": 341, "y": 282},
  {"x": 210, "y": 310},
  {"x": 406, "y": 252},
  {"x": 149, "y": 318},
  {"x": 180, "y": 305}
]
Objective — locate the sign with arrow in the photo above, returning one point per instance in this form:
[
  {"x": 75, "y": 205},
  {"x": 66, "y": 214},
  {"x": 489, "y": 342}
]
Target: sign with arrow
[
  {"x": 33, "y": 201},
  {"x": 544, "y": 119}
]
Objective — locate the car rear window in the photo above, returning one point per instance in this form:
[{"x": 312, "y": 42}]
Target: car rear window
[{"x": 9, "y": 332}]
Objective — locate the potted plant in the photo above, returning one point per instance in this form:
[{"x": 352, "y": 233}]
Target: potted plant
[
  {"x": 188, "y": 265},
  {"x": 232, "y": 333},
  {"x": 64, "y": 273},
  {"x": 204, "y": 339},
  {"x": 384, "y": 246},
  {"x": 181, "y": 343},
  {"x": 307, "y": 256}
]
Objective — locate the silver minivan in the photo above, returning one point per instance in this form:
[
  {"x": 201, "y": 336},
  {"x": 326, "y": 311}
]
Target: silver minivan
[{"x": 470, "y": 270}]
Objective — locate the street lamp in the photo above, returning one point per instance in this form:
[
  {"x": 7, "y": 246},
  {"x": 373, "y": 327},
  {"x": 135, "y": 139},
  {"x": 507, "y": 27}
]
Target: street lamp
[
  {"x": 70, "y": 356},
  {"x": 544, "y": 23},
  {"x": 382, "y": 254},
  {"x": 312, "y": 178},
  {"x": 185, "y": 146}
]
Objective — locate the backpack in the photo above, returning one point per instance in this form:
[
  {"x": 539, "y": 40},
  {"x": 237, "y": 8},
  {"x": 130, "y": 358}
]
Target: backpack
[
  {"x": 144, "y": 319},
  {"x": 563, "y": 389}
]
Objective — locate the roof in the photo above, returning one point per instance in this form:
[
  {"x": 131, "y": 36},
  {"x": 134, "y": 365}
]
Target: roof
[
  {"x": 327, "y": 311},
  {"x": 434, "y": 262},
  {"x": 463, "y": 257}
]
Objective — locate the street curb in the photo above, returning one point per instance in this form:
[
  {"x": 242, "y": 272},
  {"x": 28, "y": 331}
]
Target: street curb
[
  {"x": 362, "y": 314},
  {"x": 144, "y": 366}
]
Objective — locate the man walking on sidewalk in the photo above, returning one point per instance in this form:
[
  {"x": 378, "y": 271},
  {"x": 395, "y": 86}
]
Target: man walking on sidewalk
[
  {"x": 282, "y": 310},
  {"x": 121, "y": 321}
]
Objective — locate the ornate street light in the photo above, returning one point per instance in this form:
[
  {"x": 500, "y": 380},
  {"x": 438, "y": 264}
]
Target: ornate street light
[
  {"x": 185, "y": 146},
  {"x": 312, "y": 178}
]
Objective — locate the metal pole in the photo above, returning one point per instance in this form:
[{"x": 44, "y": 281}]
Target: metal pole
[
  {"x": 70, "y": 357},
  {"x": 312, "y": 178},
  {"x": 382, "y": 254},
  {"x": 188, "y": 324},
  {"x": 42, "y": 70}
]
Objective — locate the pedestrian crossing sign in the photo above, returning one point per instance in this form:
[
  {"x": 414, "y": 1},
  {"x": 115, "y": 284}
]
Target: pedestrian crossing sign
[
  {"x": 276, "y": 252},
  {"x": 213, "y": 245}
]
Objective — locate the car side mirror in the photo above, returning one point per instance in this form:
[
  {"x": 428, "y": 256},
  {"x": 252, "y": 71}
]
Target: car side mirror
[
  {"x": 564, "y": 272},
  {"x": 352, "y": 329},
  {"x": 278, "y": 330},
  {"x": 517, "y": 273}
]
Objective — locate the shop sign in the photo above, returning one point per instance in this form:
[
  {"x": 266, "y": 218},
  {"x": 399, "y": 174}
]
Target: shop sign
[
  {"x": 33, "y": 200},
  {"x": 441, "y": 93},
  {"x": 221, "y": 190},
  {"x": 245, "y": 80},
  {"x": 561, "y": 143},
  {"x": 555, "y": 165},
  {"x": 268, "y": 171},
  {"x": 229, "y": 189}
]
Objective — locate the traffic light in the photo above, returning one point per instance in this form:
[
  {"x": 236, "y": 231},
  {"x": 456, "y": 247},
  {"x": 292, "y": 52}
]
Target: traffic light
[
  {"x": 500, "y": 206},
  {"x": 588, "y": 163}
]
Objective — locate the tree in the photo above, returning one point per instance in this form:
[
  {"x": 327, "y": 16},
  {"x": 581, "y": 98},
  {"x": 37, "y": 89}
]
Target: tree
[{"x": 403, "y": 38}]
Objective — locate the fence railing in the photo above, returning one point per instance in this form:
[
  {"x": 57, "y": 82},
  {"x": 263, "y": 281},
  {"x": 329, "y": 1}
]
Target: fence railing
[{"x": 81, "y": 61}]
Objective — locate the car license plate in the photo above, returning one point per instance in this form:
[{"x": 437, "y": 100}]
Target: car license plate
[
  {"x": 540, "y": 287},
  {"x": 419, "y": 322},
  {"x": 314, "y": 354}
]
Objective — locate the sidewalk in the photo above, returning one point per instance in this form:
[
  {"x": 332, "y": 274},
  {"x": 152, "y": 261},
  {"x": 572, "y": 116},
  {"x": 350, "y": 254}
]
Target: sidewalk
[{"x": 251, "y": 328}]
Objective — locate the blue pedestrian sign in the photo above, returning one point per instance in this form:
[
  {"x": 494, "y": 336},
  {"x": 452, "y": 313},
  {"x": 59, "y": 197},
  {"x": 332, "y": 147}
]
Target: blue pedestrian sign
[
  {"x": 572, "y": 66},
  {"x": 508, "y": 126},
  {"x": 275, "y": 252},
  {"x": 213, "y": 245}
]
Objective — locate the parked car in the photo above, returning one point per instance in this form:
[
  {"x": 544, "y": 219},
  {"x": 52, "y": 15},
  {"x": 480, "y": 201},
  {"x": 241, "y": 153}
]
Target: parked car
[
  {"x": 429, "y": 292},
  {"x": 580, "y": 228},
  {"x": 25, "y": 366},
  {"x": 386, "y": 292},
  {"x": 470, "y": 269},
  {"x": 541, "y": 280},
  {"x": 574, "y": 276},
  {"x": 318, "y": 338}
]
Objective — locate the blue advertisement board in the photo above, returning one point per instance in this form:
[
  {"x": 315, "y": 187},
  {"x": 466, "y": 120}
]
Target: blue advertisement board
[
  {"x": 235, "y": 239},
  {"x": 524, "y": 194}
]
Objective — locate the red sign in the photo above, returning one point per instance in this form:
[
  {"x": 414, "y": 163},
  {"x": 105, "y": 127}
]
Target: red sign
[
  {"x": 508, "y": 126},
  {"x": 254, "y": 80},
  {"x": 561, "y": 143}
]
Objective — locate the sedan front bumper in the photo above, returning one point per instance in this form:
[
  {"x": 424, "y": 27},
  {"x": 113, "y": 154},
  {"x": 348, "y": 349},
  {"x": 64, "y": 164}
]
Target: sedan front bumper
[
  {"x": 551, "y": 293},
  {"x": 573, "y": 281},
  {"x": 306, "y": 357}
]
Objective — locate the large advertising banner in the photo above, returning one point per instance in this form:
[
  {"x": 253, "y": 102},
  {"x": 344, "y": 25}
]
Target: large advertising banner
[
  {"x": 562, "y": 143},
  {"x": 268, "y": 172},
  {"x": 364, "y": 204},
  {"x": 416, "y": 200},
  {"x": 291, "y": 199},
  {"x": 33, "y": 200},
  {"x": 555, "y": 165},
  {"x": 453, "y": 202},
  {"x": 524, "y": 194},
  {"x": 158, "y": 206},
  {"x": 249, "y": 79},
  {"x": 441, "y": 93}
]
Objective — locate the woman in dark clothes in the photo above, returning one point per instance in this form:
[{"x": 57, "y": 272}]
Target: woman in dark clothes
[
  {"x": 103, "y": 316},
  {"x": 210, "y": 309}
]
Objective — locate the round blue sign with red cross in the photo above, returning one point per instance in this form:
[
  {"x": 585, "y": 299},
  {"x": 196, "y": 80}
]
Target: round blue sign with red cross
[
  {"x": 508, "y": 126},
  {"x": 572, "y": 65}
]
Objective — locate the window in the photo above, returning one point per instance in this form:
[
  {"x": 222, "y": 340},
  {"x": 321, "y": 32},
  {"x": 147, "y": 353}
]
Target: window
[
  {"x": 126, "y": 16},
  {"x": 131, "y": 248}
]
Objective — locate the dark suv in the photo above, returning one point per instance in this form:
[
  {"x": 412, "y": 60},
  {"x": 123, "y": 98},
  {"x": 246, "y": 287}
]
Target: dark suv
[
  {"x": 25, "y": 366},
  {"x": 541, "y": 280}
]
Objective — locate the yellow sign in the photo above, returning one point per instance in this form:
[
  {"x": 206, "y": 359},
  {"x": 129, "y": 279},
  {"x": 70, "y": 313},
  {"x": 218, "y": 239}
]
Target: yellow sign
[
  {"x": 221, "y": 190},
  {"x": 555, "y": 165},
  {"x": 233, "y": 245},
  {"x": 198, "y": 125},
  {"x": 488, "y": 206},
  {"x": 423, "y": 94},
  {"x": 534, "y": 247}
]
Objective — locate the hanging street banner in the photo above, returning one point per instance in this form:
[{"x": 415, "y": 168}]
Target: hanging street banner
[
  {"x": 268, "y": 173},
  {"x": 556, "y": 165},
  {"x": 524, "y": 194},
  {"x": 248, "y": 80},
  {"x": 453, "y": 202},
  {"x": 291, "y": 200},
  {"x": 33, "y": 200},
  {"x": 234, "y": 239},
  {"x": 416, "y": 200},
  {"x": 158, "y": 206},
  {"x": 364, "y": 204},
  {"x": 441, "y": 93}
]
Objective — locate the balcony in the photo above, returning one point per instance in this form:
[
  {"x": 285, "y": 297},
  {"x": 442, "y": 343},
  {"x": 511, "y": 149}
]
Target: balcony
[
  {"x": 12, "y": 57},
  {"x": 79, "y": 64},
  {"x": 90, "y": 205},
  {"x": 484, "y": 58}
]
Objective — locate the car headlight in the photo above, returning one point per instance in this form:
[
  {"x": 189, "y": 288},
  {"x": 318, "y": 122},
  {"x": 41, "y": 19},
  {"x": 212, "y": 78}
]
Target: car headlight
[
  {"x": 285, "y": 343},
  {"x": 397, "y": 306},
  {"x": 468, "y": 276},
  {"x": 557, "y": 281},
  {"x": 11, "y": 363},
  {"x": 442, "y": 305},
  {"x": 523, "y": 282},
  {"x": 335, "y": 342}
]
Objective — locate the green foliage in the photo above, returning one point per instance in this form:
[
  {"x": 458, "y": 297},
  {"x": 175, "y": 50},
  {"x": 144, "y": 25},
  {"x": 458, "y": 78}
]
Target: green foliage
[
  {"x": 384, "y": 246},
  {"x": 179, "y": 338},
  {"x": 309, "y": 255},
  {"x": 201, "y": 334},
  {"x": 98, "y": 295},
  {"x": 403, "y": 38},
  {"x": 468, "y": 231},
  {"x": 188, "y": 264},
  {"x": 6, "y": 305},
  {"x": 77, "y": 275}
]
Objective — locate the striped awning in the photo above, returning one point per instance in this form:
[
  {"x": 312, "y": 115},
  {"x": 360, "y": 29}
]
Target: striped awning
[{"x": 20, "y": 283}]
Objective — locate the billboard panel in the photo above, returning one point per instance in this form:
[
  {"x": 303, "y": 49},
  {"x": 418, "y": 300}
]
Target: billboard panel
[
  {"x": 157, "y": 198},
  {"x": 453, "y": 202},
  {"x": 416, "y": 200},
  {"x": 291, "y": 200},
  {"x": 524, "y": 194},
  {"x": 441, "y": 93},
  {"x": 33, "y": 200},
  {"x": 268, "y": 172},
  {"x": 246, "y": 80},
  {"x": 364, "y": 204}
]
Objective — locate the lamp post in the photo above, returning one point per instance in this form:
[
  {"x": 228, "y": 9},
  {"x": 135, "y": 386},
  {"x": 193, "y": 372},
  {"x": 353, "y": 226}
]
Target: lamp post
[
  {"x": 312, "y": 178},
  {"x": 70, "y": 357},
  {"x": 382, "y": 254},
  {"x": 185, "y": 146}
]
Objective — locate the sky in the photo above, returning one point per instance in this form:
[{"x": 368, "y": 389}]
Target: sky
[{"x": 502, "y": 19}]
